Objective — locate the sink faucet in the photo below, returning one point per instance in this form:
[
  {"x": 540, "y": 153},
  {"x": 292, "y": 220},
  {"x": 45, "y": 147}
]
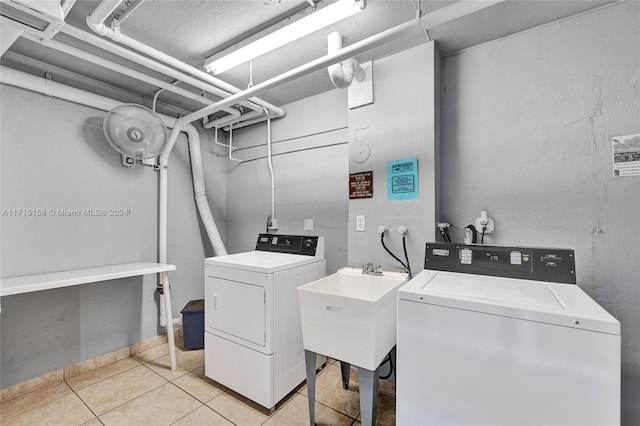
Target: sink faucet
[{"x": 369, "y": 269}]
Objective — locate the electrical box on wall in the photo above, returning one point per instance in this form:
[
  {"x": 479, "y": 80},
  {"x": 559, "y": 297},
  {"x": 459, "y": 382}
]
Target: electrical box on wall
[{"x": 361, "y": 92}]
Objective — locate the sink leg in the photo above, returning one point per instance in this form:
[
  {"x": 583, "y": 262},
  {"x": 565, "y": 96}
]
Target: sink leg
[
  {"x": 344, "y": 369},
  {"x": 310, "y": 364},
  {"x": 368, "y": 381}
]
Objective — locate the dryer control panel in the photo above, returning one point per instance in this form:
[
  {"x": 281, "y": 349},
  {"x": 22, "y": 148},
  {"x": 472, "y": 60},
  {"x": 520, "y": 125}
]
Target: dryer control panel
[
  {"x": 293, "y": 244},
  {"x": 531, "y": 263}
]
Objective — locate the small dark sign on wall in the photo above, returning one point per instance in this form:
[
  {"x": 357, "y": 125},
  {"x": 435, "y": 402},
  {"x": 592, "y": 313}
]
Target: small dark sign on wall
[{"x": 361, "y": 185}]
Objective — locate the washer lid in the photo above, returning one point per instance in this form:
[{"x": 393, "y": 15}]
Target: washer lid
[
  {"x": 261, "y": 261},
  {"x": 553, "y": 303}
]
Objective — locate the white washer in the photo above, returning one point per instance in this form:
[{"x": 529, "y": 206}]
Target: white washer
[
  {"x": 476, "y": 349},
  {"x": 253, "y": 337}
]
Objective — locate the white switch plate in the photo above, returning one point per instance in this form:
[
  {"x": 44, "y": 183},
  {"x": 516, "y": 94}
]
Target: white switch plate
[
  {"x": 360, "y": 224},
  {"x": 308, "y": 224}
]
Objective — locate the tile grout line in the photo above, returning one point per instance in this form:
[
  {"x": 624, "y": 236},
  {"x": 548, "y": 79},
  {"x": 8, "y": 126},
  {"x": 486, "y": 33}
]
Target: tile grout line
[
  {"x": 338, "y": 411},
  {"x": 64, "y": 370},
  {"x": 64, "y": 377},
  {"x": 39, "y": 405},
  {"x": 220, "y": 414},
  {"x": 133, "y": 399},
  {"x": 217, "y": 412},
  {"x": 95, "y": 416},
  {"x": 104, "y": 378},
  {"x": 190, "y": 412}
]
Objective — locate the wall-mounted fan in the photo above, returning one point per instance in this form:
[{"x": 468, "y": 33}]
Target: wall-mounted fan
[{"x": 136, "y": 132}]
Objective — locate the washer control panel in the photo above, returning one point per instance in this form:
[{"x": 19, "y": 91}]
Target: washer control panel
[{"x": 539, "y": 264}]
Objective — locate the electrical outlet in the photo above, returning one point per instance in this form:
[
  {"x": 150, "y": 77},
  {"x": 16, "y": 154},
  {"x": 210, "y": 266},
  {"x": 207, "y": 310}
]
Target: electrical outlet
[{"x": 360, "y": 224}]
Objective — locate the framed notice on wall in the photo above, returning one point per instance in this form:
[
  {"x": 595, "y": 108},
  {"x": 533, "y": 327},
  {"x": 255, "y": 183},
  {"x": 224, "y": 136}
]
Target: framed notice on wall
[
  {"x": 402, "y": 179},
  {"x": 626, "y": 155},
  {"x": 361, "y": 185}
]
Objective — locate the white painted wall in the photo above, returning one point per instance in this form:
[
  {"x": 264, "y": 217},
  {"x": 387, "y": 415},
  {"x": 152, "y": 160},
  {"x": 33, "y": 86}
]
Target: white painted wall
[
  {"x": 527, "y": 130},
  {"x": 400, "y": 123},
  {"x": 310, "y": 165},
  {"x": 54, "y": 156}
]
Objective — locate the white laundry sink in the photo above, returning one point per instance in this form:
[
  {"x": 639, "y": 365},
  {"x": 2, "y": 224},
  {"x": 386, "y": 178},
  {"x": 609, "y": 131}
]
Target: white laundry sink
[{"x": 351, "y": 316}]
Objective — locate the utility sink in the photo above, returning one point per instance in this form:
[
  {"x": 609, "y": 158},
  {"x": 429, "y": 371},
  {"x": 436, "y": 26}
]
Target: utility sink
[{"x": 351, "y": 316}]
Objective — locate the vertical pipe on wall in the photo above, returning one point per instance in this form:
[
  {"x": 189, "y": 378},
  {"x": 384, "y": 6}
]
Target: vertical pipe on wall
[
  {"x": 200, "y": 192},
  {"x": 274, "y": 220}
]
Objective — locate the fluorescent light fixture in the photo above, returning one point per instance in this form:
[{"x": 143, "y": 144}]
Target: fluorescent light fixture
[{"x": 317, "y": 20}]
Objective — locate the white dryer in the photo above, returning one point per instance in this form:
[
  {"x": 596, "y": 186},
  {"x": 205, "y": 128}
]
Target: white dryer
[
  {"x": 253, "y": 337},
  {"x": 502, "y": 336}
]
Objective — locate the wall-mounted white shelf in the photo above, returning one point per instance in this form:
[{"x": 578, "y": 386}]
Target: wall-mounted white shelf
[{"x": 30, "y": 283}]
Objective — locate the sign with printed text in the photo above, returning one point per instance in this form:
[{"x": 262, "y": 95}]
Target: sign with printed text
[
  {"x": 361, "y": 185},
  {"x": 402, "y": 179},
  {"x": 626, "y": 155}
]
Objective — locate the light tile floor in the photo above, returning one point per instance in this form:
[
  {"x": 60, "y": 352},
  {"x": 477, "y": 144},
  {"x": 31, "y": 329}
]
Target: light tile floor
[{"x": 142, "y": 390}]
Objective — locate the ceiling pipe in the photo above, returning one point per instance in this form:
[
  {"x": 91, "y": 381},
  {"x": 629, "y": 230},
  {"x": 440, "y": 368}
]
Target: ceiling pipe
[
  {"x": 342, "y": 73},
  {"x": 249, "y": 122},
  {"x": 66, "y": 7},
  {"x": 149, "y": 63},
  {"x": 97, "y": 60},
  {"x": 225, "y": 121},
  {"x": 438, "y": 17},
  {"x": 101, "y": 13},
  {"x": 9, "y": 33},
  {"x": 98, "y": 26}
]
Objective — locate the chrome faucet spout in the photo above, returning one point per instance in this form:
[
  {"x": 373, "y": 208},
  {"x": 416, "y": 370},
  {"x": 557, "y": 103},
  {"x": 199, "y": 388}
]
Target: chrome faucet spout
[{"x": 369, "y": 269}]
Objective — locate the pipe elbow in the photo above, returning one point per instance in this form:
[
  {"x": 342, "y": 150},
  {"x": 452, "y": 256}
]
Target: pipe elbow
[
  {"x": 96, "y": 27},
  {"x": 338, "y": 77},
  {"x": 354, "y": 69},
  {"x": 342, "y": 74},
  {"x": 102, "y": 30}
]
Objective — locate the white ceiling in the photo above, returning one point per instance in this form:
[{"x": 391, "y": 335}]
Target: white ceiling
[{"x": 193, "y": 30}]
